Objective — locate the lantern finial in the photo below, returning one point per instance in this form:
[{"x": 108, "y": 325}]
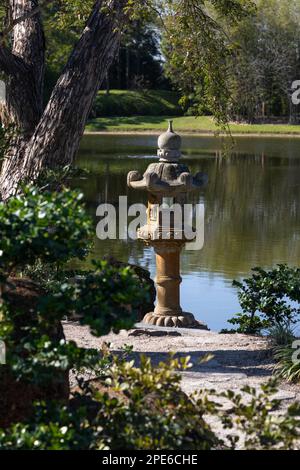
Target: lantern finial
[{"x": 169, "y": 144}]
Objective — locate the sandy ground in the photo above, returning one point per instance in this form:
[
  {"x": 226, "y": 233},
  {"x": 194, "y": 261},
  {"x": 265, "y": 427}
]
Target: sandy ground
[{"x": 238, "y": 360}]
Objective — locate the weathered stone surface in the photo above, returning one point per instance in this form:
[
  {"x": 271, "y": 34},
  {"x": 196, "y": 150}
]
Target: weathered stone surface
[
  {"x": 167, "y": 182},
  {"x": 184, "y": 320}
]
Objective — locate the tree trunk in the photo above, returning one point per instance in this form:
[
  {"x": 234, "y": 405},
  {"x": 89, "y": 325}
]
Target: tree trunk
[
  {"x": 127, "y": 68},
  {"x": 51, "y": 138},
  {"x": 23, "y": 66},
  {"x": 107, "y": 83}
]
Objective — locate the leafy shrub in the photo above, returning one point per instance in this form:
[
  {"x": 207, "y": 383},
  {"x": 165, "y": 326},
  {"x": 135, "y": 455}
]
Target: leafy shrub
[
  {"x": 246, "y": 325},
  {"x": 116, "y": 290},
  {"x": 127, "y": 407},
  {"x": 143, "y": 407},
  {"x": 52, "y": 427},
  {"x": 266, "y": 299},
  {"x": 255, "y": 417},
  {"x": 106, "y": 299},
  {"x": 53, "y": 227}
]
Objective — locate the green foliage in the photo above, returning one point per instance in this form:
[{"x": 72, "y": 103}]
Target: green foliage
[
  {"x": 49, "y": 226},
  {"x": 138, "y": 63},
  {"x": 288, "y": 362},
  {"x": 36, "y": 359},
  {"x": 143, "y": 407},
  {"x": 69, "y": 14},
  {"x": 266, "y": 299},
  {"x": 265, "y": 61},
  {"x": 234, "y": 10},
  {"x": 195, "y": 44},
  {"x": 129, "y": 103},
  {"x": 256, "y": 417},
  {"x": 249, "y": 325},
  {"x": 197, "y": 52},
  {"x": 49, "y": 229},
  {"x": 127, "y": 408},
  {"x": 107, "y": 299},
  {"x": 53, "y": 428},
  {"x": 2, "y": 11},
  {"x": 229, "y": 58},
  {"x": 281, "y": 334},
  {"x": 256, "y": 52},
  {"x": 116, "y": 291}
]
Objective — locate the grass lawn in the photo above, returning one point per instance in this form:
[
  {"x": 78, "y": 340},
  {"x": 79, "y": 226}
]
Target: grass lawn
[
  {"x": 203, "y": 124},
  {"x": 137, "y": 102}
]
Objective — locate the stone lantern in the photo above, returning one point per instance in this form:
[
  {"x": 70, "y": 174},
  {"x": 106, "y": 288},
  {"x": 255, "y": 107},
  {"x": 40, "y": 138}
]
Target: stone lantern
[{"x": 168, "y": 183}]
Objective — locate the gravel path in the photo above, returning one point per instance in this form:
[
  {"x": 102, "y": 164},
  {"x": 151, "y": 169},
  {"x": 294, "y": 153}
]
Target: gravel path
[{"x": 238, "y": 360}]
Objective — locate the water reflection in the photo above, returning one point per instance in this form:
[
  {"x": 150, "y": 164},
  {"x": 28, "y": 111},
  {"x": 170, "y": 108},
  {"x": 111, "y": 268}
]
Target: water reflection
[{"x": 251, "y": 210}]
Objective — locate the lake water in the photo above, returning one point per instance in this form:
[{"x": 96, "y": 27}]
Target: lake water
[{"x": 252, "y": 215}]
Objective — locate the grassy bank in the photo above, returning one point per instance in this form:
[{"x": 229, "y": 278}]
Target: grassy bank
[
  {"x": 135, "y": 102},
  {"x": 203, "y": 124}
]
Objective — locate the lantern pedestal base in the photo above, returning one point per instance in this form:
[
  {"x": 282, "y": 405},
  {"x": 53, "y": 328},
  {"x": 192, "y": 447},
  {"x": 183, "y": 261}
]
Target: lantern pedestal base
[{"x": 185, "y": 320}]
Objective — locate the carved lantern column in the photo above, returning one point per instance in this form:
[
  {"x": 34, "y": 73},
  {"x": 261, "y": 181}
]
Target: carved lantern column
[{"x": 167, "y": 182}]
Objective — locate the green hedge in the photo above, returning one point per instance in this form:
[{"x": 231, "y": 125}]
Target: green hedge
[{"x": 136, "y": 103}]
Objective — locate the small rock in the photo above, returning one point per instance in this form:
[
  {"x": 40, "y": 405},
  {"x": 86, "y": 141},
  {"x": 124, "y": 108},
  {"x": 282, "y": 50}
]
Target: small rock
[
  {"x": 284, "y": 395},
  {"x": 140, "y": 332}
]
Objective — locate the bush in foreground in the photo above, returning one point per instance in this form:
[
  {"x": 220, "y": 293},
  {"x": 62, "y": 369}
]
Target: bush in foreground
[
  {"x": 144, "y": 408},
  {"x": 52, "y": 228}
]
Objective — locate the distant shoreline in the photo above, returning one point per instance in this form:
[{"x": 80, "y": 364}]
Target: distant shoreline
[
  {"x": 195, "y": 133},
  {"x": 186, "y": 125}
]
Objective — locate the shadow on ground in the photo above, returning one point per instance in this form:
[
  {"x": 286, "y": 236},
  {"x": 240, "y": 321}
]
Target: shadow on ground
[
  {"x": 252, "y": 363},
  {"x": 116, "y": 121}
]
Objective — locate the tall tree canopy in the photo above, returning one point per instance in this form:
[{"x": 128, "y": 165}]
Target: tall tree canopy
[
  {"x": 262, "y": 54},
  {"x": 266, "y": 60},
  {"x": 138, "y": 62},
  {"x": 48, "y": 135}
]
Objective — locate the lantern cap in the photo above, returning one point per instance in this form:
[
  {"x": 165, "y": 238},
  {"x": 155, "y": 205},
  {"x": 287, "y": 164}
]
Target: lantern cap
[
  {"x": 169, "y": 144},
  {"x": 168, "y": 177}
]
